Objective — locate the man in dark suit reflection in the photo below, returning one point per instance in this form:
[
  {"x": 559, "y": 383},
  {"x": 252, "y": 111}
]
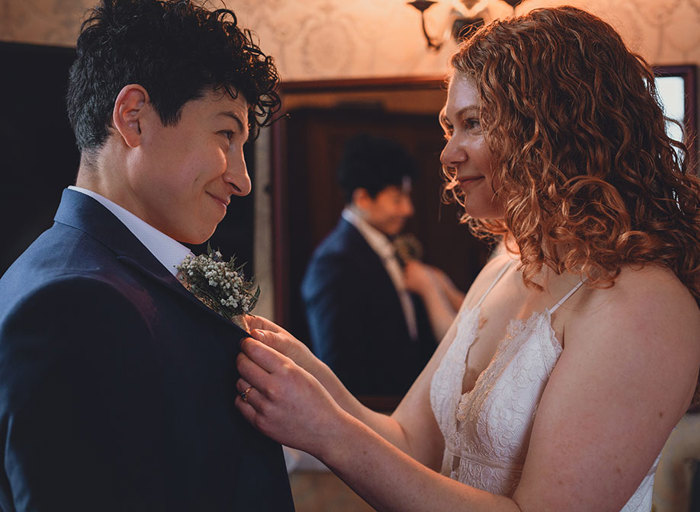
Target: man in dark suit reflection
[
  {"x": 372, "y": 332},
  {"x": 116, "y": 384}
]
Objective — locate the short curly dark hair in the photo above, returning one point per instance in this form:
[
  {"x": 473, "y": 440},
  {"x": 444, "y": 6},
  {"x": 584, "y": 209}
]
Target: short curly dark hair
[
  {"x": 373, "y": 163},
  {"x": 175, "y": 50}
]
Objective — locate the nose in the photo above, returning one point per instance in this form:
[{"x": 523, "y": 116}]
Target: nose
[
  {"x": 452, "y": 154},
  {"x": 237, "y": 176}
]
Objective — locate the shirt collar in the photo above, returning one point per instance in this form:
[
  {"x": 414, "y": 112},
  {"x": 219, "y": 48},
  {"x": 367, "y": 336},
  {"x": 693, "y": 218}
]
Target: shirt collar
[{"x": 166, "y": 250}]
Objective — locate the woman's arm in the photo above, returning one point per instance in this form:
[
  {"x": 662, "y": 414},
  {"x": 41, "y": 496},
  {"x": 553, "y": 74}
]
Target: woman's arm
[
  {"x": 290, "y": 405},
  {"x": 412, "y": 427},
  {"x": 625, "y": 377}
]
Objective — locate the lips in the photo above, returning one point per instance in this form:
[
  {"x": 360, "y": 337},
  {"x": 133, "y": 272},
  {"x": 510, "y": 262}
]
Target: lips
[
  {"x": 225, "y": 200},
  {"x": 466, "y": 180}
]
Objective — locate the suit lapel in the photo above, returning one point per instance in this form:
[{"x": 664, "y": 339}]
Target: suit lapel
[{"x": 84, "y": 213}]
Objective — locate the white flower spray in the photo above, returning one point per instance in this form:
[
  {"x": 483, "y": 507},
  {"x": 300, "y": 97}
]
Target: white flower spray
[{"x": 220, "y": 285}]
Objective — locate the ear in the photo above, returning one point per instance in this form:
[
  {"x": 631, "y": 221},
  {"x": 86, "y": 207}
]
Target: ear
[
  {"x": 361, "y": 198},
  {"x": 129, "y": 109}
]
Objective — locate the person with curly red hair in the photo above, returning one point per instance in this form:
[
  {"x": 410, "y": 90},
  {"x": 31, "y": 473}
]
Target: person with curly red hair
[{"x": 577, "y": 348}]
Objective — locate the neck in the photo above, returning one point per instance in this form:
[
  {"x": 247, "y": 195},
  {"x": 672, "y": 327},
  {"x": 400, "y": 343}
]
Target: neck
[{"x": 101, "y": 171}]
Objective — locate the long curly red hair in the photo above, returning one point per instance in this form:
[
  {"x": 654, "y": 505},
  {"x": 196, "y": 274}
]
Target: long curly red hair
[{"x": 587, "y": 176}]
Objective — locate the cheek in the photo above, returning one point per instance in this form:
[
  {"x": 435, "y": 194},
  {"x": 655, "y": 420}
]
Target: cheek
[
  {"x": 483, "y": 152},
  {"x": 220, "y": 157},
  {"x": 486, "y": 163},
  {"x": 211, "y": 165},
  {"x": 202, "y": 168}
]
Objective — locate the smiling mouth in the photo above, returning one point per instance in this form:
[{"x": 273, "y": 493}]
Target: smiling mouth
[
  {"x": 467, "y": 180},
  {"x": 224, "y": 202}
]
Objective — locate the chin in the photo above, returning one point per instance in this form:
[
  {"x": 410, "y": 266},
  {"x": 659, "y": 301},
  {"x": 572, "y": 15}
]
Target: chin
[
  {"x": 194, "y": 238},
  {"x": 484, "y": 211},
  {"x": 397, "y": 229},
  {"x": 196, "y": 241}
]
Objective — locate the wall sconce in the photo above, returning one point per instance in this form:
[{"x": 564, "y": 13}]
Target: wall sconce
[{"x": 465, "y": 16}]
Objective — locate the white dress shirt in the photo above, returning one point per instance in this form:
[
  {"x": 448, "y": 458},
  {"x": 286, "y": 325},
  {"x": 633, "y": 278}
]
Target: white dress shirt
[
  {"x": 386, "y": 252},
  {"x": 166, "y": 250}
]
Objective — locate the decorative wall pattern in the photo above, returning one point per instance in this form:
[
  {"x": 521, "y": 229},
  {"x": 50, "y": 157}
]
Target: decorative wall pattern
[
  {"x": 362, "y": 38},
  {"x": 331, "y": 38},
  {"x": 50, "y": 22}
]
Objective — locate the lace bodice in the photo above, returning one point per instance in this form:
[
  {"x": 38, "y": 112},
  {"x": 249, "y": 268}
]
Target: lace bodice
[{"x": 487, "y": 430}]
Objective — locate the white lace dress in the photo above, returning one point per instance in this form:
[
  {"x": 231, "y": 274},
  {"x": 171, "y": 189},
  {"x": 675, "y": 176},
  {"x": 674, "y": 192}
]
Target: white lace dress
[{"x": 487, "y": 430}]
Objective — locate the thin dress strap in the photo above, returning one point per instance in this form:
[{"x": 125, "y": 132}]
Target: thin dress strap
[
  {"x": 565, "y": 297},
  {"x": 498, "y": 278}
]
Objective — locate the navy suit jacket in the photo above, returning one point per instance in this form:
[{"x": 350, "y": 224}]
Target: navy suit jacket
[
  {"x": 117, "y": 386},
  {"x": 355, "y": 318}
]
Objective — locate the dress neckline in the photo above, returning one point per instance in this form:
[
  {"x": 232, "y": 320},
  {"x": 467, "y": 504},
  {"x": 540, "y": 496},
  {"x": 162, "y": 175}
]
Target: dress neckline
[{"x": 516, "y": 327}]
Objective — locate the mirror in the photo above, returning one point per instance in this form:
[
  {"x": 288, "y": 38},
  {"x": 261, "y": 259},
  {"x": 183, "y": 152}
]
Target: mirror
[{"x": 307, "y": 146}]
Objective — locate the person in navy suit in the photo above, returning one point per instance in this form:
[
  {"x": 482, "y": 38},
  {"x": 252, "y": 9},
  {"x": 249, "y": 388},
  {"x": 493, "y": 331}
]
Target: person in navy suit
[
  {"x": 363, "y": 322},
  {"x": 117, "y": 385}
]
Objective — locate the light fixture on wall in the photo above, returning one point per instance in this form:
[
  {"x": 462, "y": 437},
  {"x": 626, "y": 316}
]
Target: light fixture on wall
[{"x": 465, "y": 15}]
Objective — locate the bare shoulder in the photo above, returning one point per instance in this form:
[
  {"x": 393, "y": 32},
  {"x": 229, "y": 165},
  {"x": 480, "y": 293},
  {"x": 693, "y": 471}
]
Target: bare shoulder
[
  {"x": 650, "y": 297},
  {"x": 658, "y": 282},
  {"x": 625, "y": 377},
  {"x": 647, "y": 322}
]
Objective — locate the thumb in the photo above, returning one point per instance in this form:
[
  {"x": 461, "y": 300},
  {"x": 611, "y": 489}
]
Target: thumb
[
  {"x": 271, "y": 339},
  {"x": 259, "y": 322}
]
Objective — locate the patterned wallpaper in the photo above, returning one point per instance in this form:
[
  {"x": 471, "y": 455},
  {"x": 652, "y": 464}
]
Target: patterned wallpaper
[{"x": 362, "y": 38}]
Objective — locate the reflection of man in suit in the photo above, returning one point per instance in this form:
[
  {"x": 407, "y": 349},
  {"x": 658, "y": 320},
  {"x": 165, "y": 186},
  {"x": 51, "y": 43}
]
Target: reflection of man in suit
[
  {"x": 373, "y": 333},
  {"x": 116, "y": 384}
]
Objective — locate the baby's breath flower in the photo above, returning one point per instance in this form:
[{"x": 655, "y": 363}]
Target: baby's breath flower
[
  {"x": 408, "y": 247},
  {"x": 219, "y": 284}
]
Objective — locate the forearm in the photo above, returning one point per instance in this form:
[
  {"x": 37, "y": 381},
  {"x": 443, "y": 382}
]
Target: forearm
[
  {"x": 390, "y": 480},
  {"x": 384, "y": 425},
  {"x": 284, "y": 343}
]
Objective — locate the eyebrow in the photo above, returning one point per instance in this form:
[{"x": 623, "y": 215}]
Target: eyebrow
[
  {"x": 235, "y": 117},
  {"x": 468, "y": 109}
]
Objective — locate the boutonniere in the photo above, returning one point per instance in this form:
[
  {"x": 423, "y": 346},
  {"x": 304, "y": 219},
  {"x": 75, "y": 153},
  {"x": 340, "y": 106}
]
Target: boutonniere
[
  {"x": 408, "y": 247},
  {"x": 220, "y": 285}
]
